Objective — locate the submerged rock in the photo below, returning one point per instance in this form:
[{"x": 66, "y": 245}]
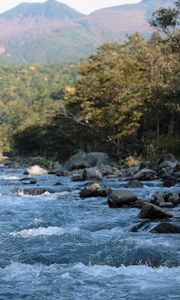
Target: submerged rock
[
  {"x": 151, "y": 211},
  {"x": 133, "y": 184},
  {"x": 166, "y": 228},
  {"x": 94, "y": 190},
  {"x": 31, "y": 192},
  {"x": 36, "y": 171},
  {"x": 28, "y": 180},
  {"x": 121, "y": 198}
]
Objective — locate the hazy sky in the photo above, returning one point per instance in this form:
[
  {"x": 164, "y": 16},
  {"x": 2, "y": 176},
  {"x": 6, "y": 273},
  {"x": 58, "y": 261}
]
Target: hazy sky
[{"x": 85, "y": 6}]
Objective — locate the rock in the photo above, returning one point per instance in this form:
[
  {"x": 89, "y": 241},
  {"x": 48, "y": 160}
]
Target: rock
[
  {"x": 134, "y": 184},
  {"x": 92, "y": 173},
  {"x": 35, "y": 171},
  {"x": 56, "y": 168},
  {"x": 166, "y": 228},
  {"x": 94, "y": 190},
  {"x": 167, "y": 168},
  {"x": 141, "y": 226},
  {"x": 145, "y": 174},
  {"x": 121, "y": 198},
  {"x": 166, "y": 204},
  {"x": 82, "y": 160},
  {"x": 168, "y": 182},
  {"x": 173, "y": 198},
  {"x": 107, "y": 170},
  {"x": 32, "y": 192},
  {"x": 100, "y": 158},
  {"x": 77, "y": 161},
  {"x": 28, "y": 180},
  {"x": 151, "y": 211},
  {"x": 162, "y": 198}
]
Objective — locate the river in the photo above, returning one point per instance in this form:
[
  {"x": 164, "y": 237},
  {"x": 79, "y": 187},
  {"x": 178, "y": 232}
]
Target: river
[{"x": 59, "y": 247}]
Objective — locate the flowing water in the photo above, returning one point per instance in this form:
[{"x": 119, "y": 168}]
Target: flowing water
[{"x": 57, "y": 246}]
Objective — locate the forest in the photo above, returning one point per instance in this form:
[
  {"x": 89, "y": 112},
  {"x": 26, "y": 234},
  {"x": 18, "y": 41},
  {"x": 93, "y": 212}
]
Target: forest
[{"x": 124, "y": 99}]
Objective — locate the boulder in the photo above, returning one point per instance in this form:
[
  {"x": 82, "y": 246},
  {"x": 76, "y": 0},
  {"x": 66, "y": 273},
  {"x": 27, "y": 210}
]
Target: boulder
[
  {"x": 167, "y": 168},
  {"x": 36, "y": 171},
  {"x": 145, "y": 175},
  {"x": 133, "y": 184},
  {"x": 82, "y": 160},
  {"x": 56, "y": 168},
  {"x": 166, "y": 228},
  {"x": 169, "y": 182},
  {"x": 31, "y": 192},
  {"x": 92, "y": 173},
  {"x": 28, "y": 180},
  {"x": 162, "y": 198},
  {"x": 151, "y": 211},
  {"x": 94, "y": 190},
  {"x": 77, "y": 161},
  {"x": 120, "y": 198}
]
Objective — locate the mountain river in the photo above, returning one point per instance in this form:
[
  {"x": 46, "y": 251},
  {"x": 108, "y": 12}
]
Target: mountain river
[{"x": 58, "y": 247}]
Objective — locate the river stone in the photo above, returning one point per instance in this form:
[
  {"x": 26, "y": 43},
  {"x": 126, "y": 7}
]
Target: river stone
[
  {"x": 31, "y": 192},
  {"x": 145, "y": 175},
  {"x": 92, "y": 173},
  {"x": 132, "y": 184},
  {"x": 170, "y": 181},
  {"x": 82, "y": 160},
  {"x": 151, "y": 211},
  {"x": 28, "y": 180},
  {"x": 36, "y": 171},
  {"x": 121, "y": 198},
  {"x": 166, "y": 228},
  {"x": 94, "y": 190}
]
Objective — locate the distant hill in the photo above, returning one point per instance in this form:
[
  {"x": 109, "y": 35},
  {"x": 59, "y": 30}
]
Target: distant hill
[
  {"x": 52, "y": 31},
  {"x": 51, "y": 10}
]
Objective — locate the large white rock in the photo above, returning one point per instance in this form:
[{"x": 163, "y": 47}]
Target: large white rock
[{"x": 36, "y": 171}]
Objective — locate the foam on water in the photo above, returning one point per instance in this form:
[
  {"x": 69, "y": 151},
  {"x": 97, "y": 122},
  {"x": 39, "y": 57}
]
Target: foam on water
[
  {"x": 96, "y": 282},
  {"x": 42, "y": 231}
]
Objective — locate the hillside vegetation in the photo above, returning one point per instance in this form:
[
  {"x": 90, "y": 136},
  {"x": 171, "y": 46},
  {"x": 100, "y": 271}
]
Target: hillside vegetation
[{"x": 124, "y": 99}]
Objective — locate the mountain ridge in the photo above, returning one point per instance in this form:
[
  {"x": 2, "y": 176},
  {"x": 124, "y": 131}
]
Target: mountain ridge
[{"x": 56, "y": 32}]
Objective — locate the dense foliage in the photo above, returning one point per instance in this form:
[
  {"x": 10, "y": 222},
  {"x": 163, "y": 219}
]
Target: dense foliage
[{"x": 126, "y": 99}]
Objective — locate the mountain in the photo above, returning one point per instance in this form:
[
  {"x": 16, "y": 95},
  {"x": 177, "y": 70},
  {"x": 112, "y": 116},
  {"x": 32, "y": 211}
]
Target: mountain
[
  {"x": 51, "y": 10},
  {"x": 54, "y": 32}
]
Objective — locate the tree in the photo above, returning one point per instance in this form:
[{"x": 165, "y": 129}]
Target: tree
[{"x": 167, "y": 20}]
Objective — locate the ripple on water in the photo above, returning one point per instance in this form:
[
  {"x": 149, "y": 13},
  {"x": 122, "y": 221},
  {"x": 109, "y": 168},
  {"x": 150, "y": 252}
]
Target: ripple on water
[{"x": 80, "y": 281}]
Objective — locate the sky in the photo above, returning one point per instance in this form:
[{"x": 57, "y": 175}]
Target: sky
[{"x": 84, "y": 6}]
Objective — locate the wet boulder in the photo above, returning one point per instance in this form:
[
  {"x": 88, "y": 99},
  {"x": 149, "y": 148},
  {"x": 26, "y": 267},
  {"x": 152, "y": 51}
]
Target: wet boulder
[
  {"x": 120, "y": 198},
  {"x": 35, "y": 171},
  {"x": 92, "y": 173},
  {"x": 151, "y": 211},
  {"x": 28, "y": 180},
  {"x": 94, "y": 190},
  {"x": 166, "y": 228},
  {"x": 169, "y": 182},
  {"x": 145, "y": 175},
  {"x": 167, "y": 168},
  {"x": 166, "y": 199},
  {"x": 31, "y": 192},
  {"x": 133, "y": 184}
]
